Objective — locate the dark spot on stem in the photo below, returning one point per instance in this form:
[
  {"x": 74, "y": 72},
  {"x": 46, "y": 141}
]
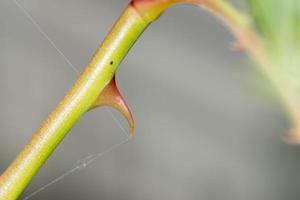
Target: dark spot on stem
[{"x": 111, "y": 62}]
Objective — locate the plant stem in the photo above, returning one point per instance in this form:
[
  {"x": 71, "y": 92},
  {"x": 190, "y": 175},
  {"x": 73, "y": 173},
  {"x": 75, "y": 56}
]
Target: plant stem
[
  {"x": 252, "y": 43},
  {"x": 97, "y": 74},
  {"x": 78, "y": 100}
]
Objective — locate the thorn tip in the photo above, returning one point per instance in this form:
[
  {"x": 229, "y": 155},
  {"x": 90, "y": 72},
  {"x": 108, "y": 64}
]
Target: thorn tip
[{"x": 111, "y": 96}]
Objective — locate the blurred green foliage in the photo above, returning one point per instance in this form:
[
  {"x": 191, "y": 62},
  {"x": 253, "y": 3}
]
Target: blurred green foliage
[{"x": 278, "y": 24}]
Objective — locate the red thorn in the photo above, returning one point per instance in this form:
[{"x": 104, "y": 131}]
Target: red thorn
[
  {"x": 110, "y": 96},
  {"x": 293, "y": 137},
  {"x": 237, "y": 46}
]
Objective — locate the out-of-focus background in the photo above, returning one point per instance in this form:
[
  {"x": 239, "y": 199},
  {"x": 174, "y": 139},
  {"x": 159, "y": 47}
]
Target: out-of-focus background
[{"x": 203, "y": 128}]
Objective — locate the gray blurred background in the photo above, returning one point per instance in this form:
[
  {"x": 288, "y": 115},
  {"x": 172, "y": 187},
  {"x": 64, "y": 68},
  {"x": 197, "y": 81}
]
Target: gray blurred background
[{"x": 203, "y": 132}]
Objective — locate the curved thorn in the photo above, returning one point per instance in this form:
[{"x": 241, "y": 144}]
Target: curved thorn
[
  {"x": 292, "y": 137},
  {"x": 237, "y": 46},
  {"x": 111, "y": 96}
]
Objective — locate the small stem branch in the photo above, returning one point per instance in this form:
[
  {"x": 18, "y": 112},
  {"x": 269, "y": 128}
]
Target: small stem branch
[{"x": 248, "y": 39}]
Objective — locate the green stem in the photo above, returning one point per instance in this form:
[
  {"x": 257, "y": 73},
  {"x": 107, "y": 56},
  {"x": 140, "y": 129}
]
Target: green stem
[
  {"x": 97, "y": 74},
  {"x": 78, "y": 100}
]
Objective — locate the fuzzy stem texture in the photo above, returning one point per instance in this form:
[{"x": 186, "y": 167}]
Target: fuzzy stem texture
[
  {"x": 100, "y": 70},
  {"x": 78, "y": 100}
]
